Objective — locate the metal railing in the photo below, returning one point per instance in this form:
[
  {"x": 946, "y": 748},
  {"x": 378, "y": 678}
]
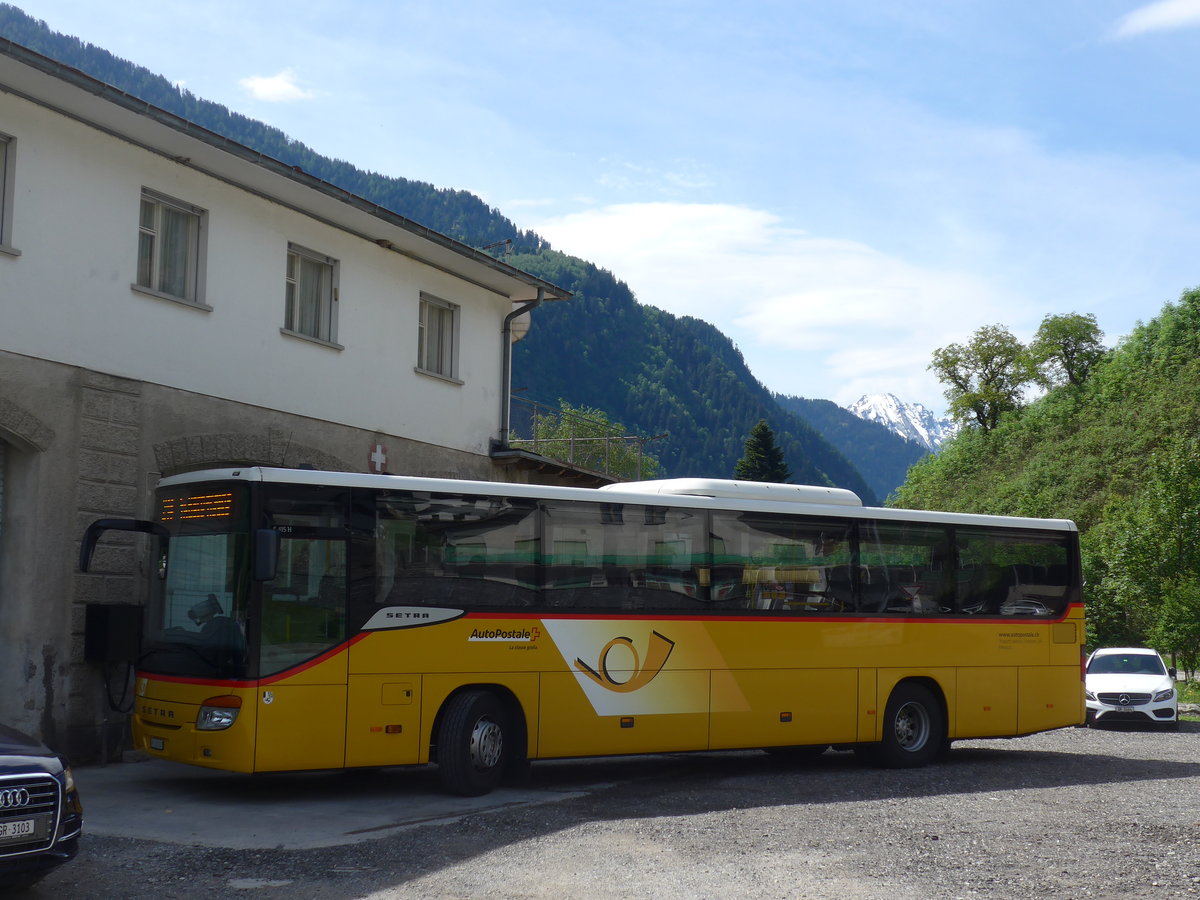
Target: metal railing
[{"x": 588, "y": 443}]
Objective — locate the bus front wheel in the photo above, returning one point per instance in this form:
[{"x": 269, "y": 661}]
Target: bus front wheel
[
  {"x": 471, "y": 749},
  {"x": 914, "y": 728}
]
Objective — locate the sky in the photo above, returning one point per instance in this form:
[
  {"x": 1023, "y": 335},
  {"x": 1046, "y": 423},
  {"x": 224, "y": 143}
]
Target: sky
[{"x": 841, "y": 188}]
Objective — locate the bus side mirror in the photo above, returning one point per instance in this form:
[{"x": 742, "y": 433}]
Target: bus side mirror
[
  {"x": 88, "y": 545},
  {"x": 266, "y": 553}
]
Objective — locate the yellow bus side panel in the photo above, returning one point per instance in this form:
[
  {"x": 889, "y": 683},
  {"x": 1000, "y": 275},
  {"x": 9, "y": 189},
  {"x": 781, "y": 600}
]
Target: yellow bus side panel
[
  {"x": 301, "y": 726},
  {"x": 987, "y": 702},
  {"x": 383, "y": 720},
  {"x": 782, "y": 707},
  {"x": 1050, "y": 697},
  {"x": 580, "y": 718},
  {"x": 450, "y": 646},
  {"x": 868, "y": 706}
]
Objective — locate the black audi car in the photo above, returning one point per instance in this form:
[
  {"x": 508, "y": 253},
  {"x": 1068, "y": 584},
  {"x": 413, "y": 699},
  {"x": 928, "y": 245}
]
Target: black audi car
[{"x": 40, "y": 813}]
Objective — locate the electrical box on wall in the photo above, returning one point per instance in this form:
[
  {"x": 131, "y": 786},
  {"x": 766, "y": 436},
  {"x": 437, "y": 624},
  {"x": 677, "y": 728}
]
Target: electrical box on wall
[{"x": 112, "y": 632}]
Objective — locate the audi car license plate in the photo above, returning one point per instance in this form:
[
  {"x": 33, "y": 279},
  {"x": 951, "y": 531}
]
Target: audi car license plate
[{"x": 15, "y": 831}]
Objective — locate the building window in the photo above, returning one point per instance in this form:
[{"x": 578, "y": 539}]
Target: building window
[
  {"x": 437, "y": 337},
  {"x": 169, "y": 248},
  {"x": 311, "y": 296},
  {"x": 6, "y": 191}
]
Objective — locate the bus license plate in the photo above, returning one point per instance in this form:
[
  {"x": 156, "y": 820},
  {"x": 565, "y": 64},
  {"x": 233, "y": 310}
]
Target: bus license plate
[{"x": 11, "y": 831}]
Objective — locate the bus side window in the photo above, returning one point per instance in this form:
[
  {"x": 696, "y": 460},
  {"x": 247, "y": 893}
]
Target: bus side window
[
  {"x": 622, "y": 556},
  {"x": 1011, "y": 572},
  {"x": 904, "y": 568},
  {"x": 763, "y": 561},
  {"x": 587, "y": 551},
  {"x": 454, "y": 551}
]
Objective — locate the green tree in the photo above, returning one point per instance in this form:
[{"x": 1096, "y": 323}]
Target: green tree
[
  {"x": 585, "y": 437},
  {"x": 1066, "y": 349},
  {"x": 1177, "y": 626},
  {"x": 762, "y": 459},
  {"x": 985, "y": 377},
  {"x": 1149, "y": 586}
]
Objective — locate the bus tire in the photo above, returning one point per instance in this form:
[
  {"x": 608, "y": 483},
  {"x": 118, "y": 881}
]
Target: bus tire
[
  {"x": 471, "y": 743},
  {"x": 914, "y": 728}
]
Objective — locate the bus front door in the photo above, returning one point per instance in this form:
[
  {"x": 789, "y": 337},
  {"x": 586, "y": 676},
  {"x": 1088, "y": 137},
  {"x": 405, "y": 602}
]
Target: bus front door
[{"x": 301, "y": 696}]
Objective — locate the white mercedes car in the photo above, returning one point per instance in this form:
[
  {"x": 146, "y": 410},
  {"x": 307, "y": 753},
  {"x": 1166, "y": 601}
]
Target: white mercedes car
[{"x": 1130, "y": 685}]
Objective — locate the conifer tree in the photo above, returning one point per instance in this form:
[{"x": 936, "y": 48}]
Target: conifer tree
[{"x": 762, "y": 459}]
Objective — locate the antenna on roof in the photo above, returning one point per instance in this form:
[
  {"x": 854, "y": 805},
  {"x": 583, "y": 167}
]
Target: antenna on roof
[{"x": 506, "y": 244}]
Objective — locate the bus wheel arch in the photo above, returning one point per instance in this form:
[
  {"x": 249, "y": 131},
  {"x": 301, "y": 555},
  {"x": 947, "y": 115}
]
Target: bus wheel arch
[
  {"x": 479, "y": 737},
  {"x": 914, "y": 726}
]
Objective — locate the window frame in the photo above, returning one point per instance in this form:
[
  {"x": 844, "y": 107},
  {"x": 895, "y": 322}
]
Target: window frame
[
  {"x": 197, "y": 250},
  {"x": 448, "y": 344},
  {"x": 7, "y": 184},
  {"x": 328, "y": 299}
]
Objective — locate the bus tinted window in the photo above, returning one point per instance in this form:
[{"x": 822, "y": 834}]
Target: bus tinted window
[
  {"x": 202, "y": 607},
  {"x": 905, "y": 567},
  {"x": 613, "y": 555},
  {"x": 1011, "y": 572},
  {"x": 197, "y": 619},
  {"x": 448, "y": 550},
  {"x": 764, "y": 561},
  {"x": 304, "y": 606}
]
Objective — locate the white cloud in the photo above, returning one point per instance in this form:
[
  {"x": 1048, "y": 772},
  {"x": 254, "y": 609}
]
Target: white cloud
[
  {"x": 1165, "y": 15},
  {"x": 813, "y": 316},
  {"x": 280, "y": 88}
]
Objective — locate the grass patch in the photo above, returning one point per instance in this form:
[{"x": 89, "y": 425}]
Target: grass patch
[{"x": 1189, "y": 692}]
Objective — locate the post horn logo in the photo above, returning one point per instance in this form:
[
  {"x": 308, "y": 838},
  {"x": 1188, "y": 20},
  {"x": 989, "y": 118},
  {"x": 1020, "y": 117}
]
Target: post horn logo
[{"x": 659, "y": 649}]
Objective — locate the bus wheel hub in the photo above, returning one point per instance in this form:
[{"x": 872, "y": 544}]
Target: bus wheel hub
[{"x": 487, "y": 744}]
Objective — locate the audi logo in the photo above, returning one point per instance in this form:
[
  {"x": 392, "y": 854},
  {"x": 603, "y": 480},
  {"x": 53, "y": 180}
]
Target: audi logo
[{"x": 14, "y": 798}]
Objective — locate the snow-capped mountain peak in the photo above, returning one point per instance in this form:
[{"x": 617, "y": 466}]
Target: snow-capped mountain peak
[{"x": 913, "y": 421}]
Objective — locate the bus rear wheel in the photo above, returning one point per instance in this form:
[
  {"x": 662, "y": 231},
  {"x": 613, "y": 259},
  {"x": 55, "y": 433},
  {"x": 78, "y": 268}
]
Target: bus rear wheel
[
  {"x": 914, "y": 728},
  {"x": 471, "y": 751}
]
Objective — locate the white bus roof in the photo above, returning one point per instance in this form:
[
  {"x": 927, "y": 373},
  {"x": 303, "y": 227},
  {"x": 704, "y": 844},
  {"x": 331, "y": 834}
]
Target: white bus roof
[
  {"x": 739, "y": 490},
  {"x": 692, "y": 493}
]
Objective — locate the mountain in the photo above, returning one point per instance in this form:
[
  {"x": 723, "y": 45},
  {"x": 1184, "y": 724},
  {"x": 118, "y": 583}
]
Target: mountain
[
  {"x": 649, "y": 370},
  {"x": 876, "y": 450},
  {"x": 912, "y": 421}
]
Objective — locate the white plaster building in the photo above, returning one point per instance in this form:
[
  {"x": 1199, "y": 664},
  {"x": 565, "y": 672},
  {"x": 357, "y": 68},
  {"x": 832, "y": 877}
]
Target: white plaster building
[{"x": 170, "y": 300}]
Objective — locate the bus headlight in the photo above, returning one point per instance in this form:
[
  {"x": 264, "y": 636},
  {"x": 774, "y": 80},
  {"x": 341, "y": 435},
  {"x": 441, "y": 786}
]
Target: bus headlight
[{"x": 218, "y": 713}]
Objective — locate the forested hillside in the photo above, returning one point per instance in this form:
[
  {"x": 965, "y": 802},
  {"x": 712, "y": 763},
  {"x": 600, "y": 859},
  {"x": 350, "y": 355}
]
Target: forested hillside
[
  {"x": 456, "y": 213},
  {"x": 882, "y": 456},
  {"x": 645, "y": 368},
  {"x": 1120, "y": 455},
  {"x": 655, "y": 372}
]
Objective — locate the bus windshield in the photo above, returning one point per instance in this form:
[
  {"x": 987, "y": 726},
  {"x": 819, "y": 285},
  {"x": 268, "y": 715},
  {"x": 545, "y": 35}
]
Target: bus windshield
[{"x": 197, "y": 617}]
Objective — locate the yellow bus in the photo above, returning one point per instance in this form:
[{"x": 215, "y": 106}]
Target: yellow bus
[{"x": 305, "y": 620}]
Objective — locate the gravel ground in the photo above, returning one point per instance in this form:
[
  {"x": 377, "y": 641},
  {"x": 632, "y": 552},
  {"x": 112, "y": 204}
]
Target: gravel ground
[{"x": 1074, "y": 813}]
